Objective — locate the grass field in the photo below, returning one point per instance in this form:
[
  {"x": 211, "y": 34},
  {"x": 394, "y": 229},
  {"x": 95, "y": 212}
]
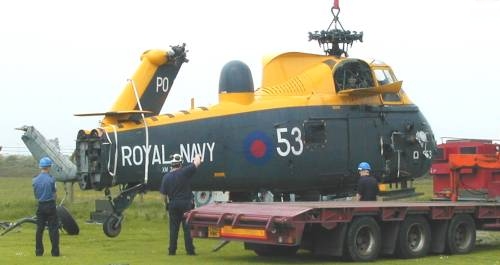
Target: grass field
[{"x": 143, "y": 239}]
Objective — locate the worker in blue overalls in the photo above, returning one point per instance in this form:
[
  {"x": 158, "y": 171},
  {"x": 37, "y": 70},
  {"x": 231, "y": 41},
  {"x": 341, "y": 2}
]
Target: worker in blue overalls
[{"x": 44, "y": 187}]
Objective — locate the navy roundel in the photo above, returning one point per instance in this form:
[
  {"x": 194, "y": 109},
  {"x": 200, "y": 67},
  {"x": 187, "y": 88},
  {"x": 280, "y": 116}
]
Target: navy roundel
[{"x": 258, "y": 147}]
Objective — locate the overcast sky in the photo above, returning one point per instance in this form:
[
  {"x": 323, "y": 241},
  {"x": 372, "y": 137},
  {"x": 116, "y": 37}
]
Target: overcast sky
[{"x": 60, "y": 57}]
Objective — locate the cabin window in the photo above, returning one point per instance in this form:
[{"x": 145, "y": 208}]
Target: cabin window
[
  {"x": 314, "y": 132},
  {"x": 352, "y": 74},
  {"x": 468, "y": 150},
  {"x": 439, "y": 155},
  {"x": 384, "y": 76}
]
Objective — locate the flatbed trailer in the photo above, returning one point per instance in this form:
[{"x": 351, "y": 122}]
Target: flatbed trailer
[{"x": 360, "y": 231}]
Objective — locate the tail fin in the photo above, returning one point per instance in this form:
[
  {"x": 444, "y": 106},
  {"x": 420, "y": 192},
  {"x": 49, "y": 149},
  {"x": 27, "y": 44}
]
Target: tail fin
[
  {"x": 147, "y": 90},
  {"x": 62, "y": 169}
]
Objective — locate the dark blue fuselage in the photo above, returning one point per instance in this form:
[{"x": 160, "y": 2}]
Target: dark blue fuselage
[{"x": 286, "y": 149}]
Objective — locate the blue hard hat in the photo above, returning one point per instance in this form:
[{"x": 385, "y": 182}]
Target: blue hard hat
[
  {"x": 364, "y": 166},
  {"x": 45, "y": 162}
]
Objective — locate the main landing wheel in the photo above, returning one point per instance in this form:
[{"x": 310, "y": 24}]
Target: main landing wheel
[
  {"x": 414, "y": 237},
  {"x": 461, "y": 236},
  {"x": 363, "y": 239},
  {"x": 113, "y": 225}
]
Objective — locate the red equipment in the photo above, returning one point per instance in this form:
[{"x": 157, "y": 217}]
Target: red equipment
[{"x": 467, "y": 170}]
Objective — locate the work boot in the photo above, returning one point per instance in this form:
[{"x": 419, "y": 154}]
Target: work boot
[
  {"x": 191, "y": 253},
  {"x": 171, "y": 253}
]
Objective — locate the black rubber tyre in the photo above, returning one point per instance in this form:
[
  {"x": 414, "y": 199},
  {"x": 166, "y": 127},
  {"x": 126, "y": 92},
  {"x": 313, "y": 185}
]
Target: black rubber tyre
[
  {"x": 112, "y": 226},
  {"x": 414, "y": 237},
  {"x": 275, "y": 250},
  {"x": 461, "y": 235},
  {"x": 363, "y": 239},
  {"x": 68, "y": 223}
]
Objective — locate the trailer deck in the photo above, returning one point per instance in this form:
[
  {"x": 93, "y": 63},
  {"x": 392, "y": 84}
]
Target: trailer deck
[{"x": 356, "y": 228}]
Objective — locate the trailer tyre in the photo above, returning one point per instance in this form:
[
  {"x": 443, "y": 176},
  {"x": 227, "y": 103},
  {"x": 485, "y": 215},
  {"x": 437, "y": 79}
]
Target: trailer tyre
[
  {"x": 68, "y": 223},
  {"x": 414, "y": 237},
  {"x": 461, "y": 235},
  {"x": 363, "y": 239}
]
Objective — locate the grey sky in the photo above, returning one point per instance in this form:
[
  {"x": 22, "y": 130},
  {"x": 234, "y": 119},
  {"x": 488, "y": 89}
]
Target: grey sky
[{"x": 60, "y": 57}]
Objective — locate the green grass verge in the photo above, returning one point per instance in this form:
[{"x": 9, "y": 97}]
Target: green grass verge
[{"x": 144, "y": 237}]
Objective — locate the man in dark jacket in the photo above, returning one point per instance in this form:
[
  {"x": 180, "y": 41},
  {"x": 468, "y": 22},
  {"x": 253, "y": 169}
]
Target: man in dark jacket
[
  {"x": 44, "y": 188},
  {"x": 367, "y": 184},
  {"x": 178, "y": 196}
]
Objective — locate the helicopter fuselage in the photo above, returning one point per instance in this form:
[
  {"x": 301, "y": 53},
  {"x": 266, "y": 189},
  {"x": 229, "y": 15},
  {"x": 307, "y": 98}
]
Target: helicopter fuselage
[{"x": 303, "y": 130}]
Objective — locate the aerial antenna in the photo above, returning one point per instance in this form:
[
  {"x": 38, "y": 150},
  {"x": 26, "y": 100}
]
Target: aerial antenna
[{"x": 331, "y": 39}]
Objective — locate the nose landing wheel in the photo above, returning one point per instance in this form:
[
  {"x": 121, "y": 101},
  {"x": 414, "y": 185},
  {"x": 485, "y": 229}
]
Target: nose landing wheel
[{"x": 113, "y": 225}]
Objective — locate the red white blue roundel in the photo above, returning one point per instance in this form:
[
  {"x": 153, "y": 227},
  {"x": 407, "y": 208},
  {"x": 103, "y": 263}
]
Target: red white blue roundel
[{"x": 258, "y": 147}]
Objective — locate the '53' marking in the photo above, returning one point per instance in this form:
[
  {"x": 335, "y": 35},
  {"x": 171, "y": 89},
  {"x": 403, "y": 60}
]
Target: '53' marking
[{"x": 285, "y": 146}]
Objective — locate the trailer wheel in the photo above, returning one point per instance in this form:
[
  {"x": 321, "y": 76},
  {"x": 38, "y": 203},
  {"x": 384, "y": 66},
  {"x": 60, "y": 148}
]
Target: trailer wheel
[
  {"x": 112, "y": 226},
  {"x": 461, "y": 236},
  {"x": 266, "y": 250},
  {"x": 363, "y": 239},
  {"x": 414, "y": 237},
  {"x": 68, "y": 223}
]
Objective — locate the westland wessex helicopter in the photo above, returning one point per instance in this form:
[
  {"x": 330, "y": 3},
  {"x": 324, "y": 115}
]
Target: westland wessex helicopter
[{"x": 302, "y": 132}]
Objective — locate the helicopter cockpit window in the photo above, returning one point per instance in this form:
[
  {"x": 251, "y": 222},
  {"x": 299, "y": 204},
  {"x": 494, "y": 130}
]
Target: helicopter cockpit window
[
  {"x": 384, "y": 76},
  {"x": 352, "y": 74}
]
